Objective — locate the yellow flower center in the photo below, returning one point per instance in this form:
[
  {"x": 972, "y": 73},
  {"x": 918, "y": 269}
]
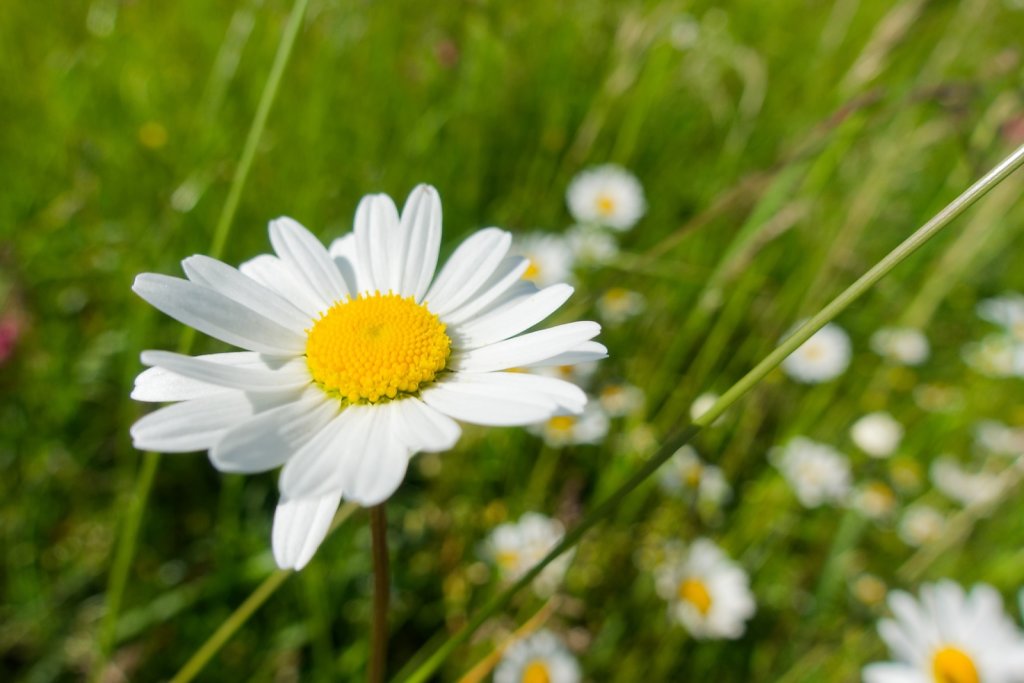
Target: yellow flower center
[
  {"x": 507, "y": 559},
  {"x": 536, "y": 672},
  {"x": 562, "y": 423},
  {"x": 952, "y": 665},
  {"x": 376, "y": 346},
  {"x": 692, "y": 475},
  {"x": 532, "y": 271},
  {"x": 696, "y": 593},
  {"x": 605, "y": 204}
]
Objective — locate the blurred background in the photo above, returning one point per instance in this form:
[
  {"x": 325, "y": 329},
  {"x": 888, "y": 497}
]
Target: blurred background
[{"x": 783, "y": 148}]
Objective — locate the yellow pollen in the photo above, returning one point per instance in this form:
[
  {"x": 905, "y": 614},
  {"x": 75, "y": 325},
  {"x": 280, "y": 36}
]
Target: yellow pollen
[
  {"x": 561, "y": 423},
  {"x": 376, "y": 347},
  {"x": 507, "y": 559},
  {"x": 951, "y": 665},
  {"x": 692, "y": 476},
  {"x": 605, "y": 205},
  {"x": 532, "y": 271},
  {"x": 536, "y": 672},
  {"x": 696, "y": 593},
  {"x": 814, "y": 352}
]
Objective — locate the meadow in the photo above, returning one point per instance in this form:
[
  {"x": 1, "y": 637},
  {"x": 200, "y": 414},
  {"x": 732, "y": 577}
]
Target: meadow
[{"x": 783, "y": 149}]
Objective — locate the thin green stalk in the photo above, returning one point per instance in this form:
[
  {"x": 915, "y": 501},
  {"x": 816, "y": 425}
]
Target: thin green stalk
[
  {"x": 128, "y": 537},
  {"x": 231, "y": 625},
  {"x": 683, "y": 434}
]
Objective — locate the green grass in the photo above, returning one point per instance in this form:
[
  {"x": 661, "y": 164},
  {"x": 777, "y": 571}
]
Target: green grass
[{"x": 783, "y": 154}]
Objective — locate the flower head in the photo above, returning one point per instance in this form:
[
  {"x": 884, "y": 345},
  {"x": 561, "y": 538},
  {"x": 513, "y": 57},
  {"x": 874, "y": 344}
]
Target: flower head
[
  {"x": 817, "y": 472},
  {"x": 549, "y": 257},
  {"x": 355, "y": 358},
  {"x": 921, "y": 524},
  {"x": 618, "y": 304},
  {"x": 607, "y": 195},
  {"x": 901, "y": 345},
  {"x": 824, "y": 356},
  {"x": 877, "y": 434},
  {"x": 685, "y": 475},
  {"x": 540, "y": 658},
  {"x": 963, "y": 486},
  {"x": 514, "y": 547},
  {"x": 590, "y": 427}
]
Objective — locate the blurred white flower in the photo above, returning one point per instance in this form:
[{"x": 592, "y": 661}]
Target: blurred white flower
[
  {"x": 703, "y": 404},
  {"x": 901, "y": 345},
  {"x": 996, "y": 437},
  {"x": 618, "y": 304},
  {"x": 514, "y": 547},
  {"x": 824, "y": 356},
  {"x": 817, "y": 472},
  {"x": 539, "y": 658},
  {"x": 921, "y": 524},
  {"x": 1007, "y": 311},
  {"x": 996, "y": 355},
  {"x": 685, "y": 475},
  {"x": 875, "y": 500},
  {"x": 606, "y": 195},
  {"x": 877, "y": 434},
  {"x": 708, "y": 593},
  {"x": 966, "y": 488},
  {"x": 590, "y": 427},
  {"x": 619, "y": 400},
  {"x": 579, "y": 373},
  {"x": 592, "y": 245},
  {"x": 949, "y": 636},
  {"x": 550, "y": 255},
  {"x": 869, "y": 589}
]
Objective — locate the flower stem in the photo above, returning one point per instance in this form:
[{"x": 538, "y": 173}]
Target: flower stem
[
  {"x": 686, "y": 432},
  {"x": 381, "y": 593},
  {"x": 127, "y": 539}
]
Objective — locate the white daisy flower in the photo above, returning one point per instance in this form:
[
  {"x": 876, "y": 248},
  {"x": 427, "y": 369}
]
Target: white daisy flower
[
  {"x": 606, "y": 195},
  {"x": 589, "y": 427},
  {"x": 618, "y": 304},
  {"x": 996, "y": 437},
  {"x": 817, "y": 472},
  {"x": 686, "y": 476},
  {"x": 877, "y": 434},
  {"x": 875, "y": 500},
  {"x": 514, "y": 547},
  {"x": 921, "y": 524},
  {"x": 354, "y": 359},
  {"x": 949, "y": 636},
  {"x": 901, "y": 345},
  {"x": 591, "y": 245},
  {"x": 703, "y": 404},
  {"x": 824, "y": 356},
  {"x": 966, "y": 488},
  {"x": 550, "y": 257},
  {"x": 708, "y": 593},
  {"x": 540, "y": 658},
  {"x": 1006, "y": 311},
  {"x": 996, "y": 355},
  {"x": 619, "y": 400}
]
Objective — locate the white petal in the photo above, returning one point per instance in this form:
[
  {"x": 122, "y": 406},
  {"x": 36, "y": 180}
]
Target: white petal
[
  {"x": 373, "y": 473},
  {"x": 195, "y": 425},
  {"x": 488, "y": 405},
  {"x": 343, "y": 251},
  {"x": 315, "y": 468},
  {"x": 527, "y": 348},
  {"x": 216, "y": 315},
  {"x": 428, "y": 429},
  {"x": 421, "y": 229},
  {"x": 298, "y": 247},
  {"x": 160, "y": 385},
  {"x": 891, "y": 672},
  {"x": 583, "y": 353},
  {"x": 376, "y": 230},
  {"x": 221, "y": 277},
  {"x": 472, "y": 264},
  {"x": 289, "y": 375},
  {"x": 509, "y": 272},
  {"x": 510, "y": 319},
  {"x": 270, "y": 438},
  {"x": 566, "y": 395},
  {"x": 275, "y": 274},
  {"x": 300, "y": 526}
]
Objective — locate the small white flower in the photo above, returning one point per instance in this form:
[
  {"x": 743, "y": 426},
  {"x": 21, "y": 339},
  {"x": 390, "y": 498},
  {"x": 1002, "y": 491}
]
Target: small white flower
[
  {"x": 996, "y": 355},
  {"x": 687, "y": 476},
  {"x": 703, "y": 404},
  {"x": 355, "y": 358},
  {"x": 824, "y": 356},
  {"x": 550, "y": 257},
  {"x": 1006, "y": 311},
  {"x": 875, "y": 500},
  {"x": 877, "y": 434},
  {"x": 966, "y": 488},
  {"x": 590, "y": 427},
  {"x": 817, "y": 472},
  {"x": 921, "y": 524},
  {"x": 591, "y": 245},
  {"x": 708, "y": 593},
  {"x": 606, "y": 195},
  {"x": 996, "y": 437},
  {"x": 578, "y": 373},
  {"x": 619, "y": 400},
  {"x": 618, "y": 304},
  {"x": 949, "y": 636},
  {"x": 901, "y": 345},
  {"x": 540, "y": 658},
  {"x": 514, "y": 547}
]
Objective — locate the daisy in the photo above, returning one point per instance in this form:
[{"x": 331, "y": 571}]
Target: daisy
[
  {"x": 921, "y": 524},
  {"x": 875, "y": 500},
  {"x": 619, "y": 400},
  {"x": 514, "y": 547},
  {"x": 607, "y": 195},
  {"x": 703, "y": 404},
  {"x": 877, "y": 434},
  {"x": 549, "y": 257},
  {"x": 618, "y": 304},
  {"x": 540, "y": 658},
  {"x": 966, "y": 488},
  {"x": 355, "y": 358},
  {"x": 996, "y": 437},
  {"x": 708, "y": 593},
  {"x": 901, "y": 345},
  {"x": 824, "y": 356},
  {"x": 817, "y": 472},
  {"x": 996, "y": 355},
  {"x": 1006, "y": 311},
  {"x": 589, "y": 427},
  {"x": 686, "y": 476},
  {"x": 949, "y": 636},
  {"x": 592, "y": 246}
]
